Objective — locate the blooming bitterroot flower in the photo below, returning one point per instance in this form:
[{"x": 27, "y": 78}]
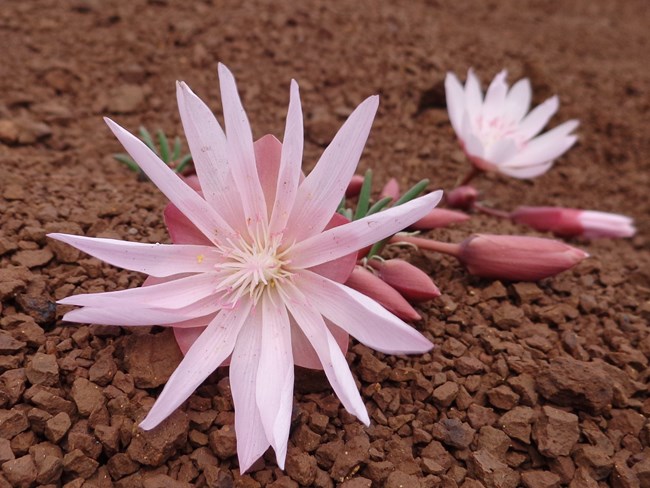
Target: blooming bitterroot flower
[
  {"x": 569, "y": 222},
  {"x": 259, "y": 286},
  {"x": 498, "y": 133}
]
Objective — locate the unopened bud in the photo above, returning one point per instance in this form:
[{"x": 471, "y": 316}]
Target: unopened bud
[
  {"x": 370, "y": 285},
  {"x": 462, "y": 197},
  {"x": 570, "y": 222},
  {"x": 517, "y": 258},
  {"x": 412, "y": 283},
  {"x": 439, "y": 217},
  {"x": 354, "y": 187},
  {"x": 391, "y": 189}
]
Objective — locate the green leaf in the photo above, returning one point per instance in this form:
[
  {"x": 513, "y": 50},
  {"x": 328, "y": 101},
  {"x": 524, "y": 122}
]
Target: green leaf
[
  {"x": 164, "y": 146},
  {"x": 379, "y": 206},
  {"x": 183, "y": 163},
  {"x": 364, "y": 196},
  {"x": 177, "y": 149},
  {"x": 126, "y": 160},
  {"x": 347, "y": 213},
  {"x": 146, "y": 138},
  {"x": 413, "y": 192}
]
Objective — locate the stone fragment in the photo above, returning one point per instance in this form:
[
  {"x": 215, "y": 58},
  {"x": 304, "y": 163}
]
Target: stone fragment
[
  {"x": 151, "y": 359},
  {"x": 582, "y": 479},
  {"x": 486, "y": 468},
  {"x": 494, "y": 441},
  {"x": 154, "y": 447},
  {"x": 517, "y": 423},
  {"x": 9, "y": 345},
  {"x": 454, "y": 433},
  {"x": 32, "y": 258},
  {"x": 503, "y": 397},
  {"x": 125, "y": 99},
  {"x": 642, "y": 470},
  {"x": 445, "y": 394},
  {"x": 223, "y": 442},
  {"x": 6, "y": 454},
  {"x": 57, "y": 427},
  {"x": 540, "y": 479},
  {"x": 12, "y": 423},
  {"x": 524, "y": 386},
  {"x": 466, "y": 365},
  {"x": 43, "y": 370},
  {"x": 41, "y": 308},
  {"x": 301, "y": 467},
  {"x": 398, "y": 479},
  {"x": 624, "y": 477},
  {"x": 507, "y": 316},
  {"x": 8, "y": 132},
  {"x": 49, "y": 469},
  {"x": 121, "y": 465},
  {"x": 556, "y": 432},
  {"x": 164, "y": 481},
  {"x": 77, "y": 463},
  {"x": 372, "y": 369},
  {"x": 12, "y": 386},
  {"x": 20, "y": 472},
  {"x": 569, "y": 382},
  {"x": 87, "y": 396},
  {"x": 479, "y": 416},
  {"x": 348, "y": 459},
  {"x": 594, "y": 459},
  {"x": 103, "y": 369}
]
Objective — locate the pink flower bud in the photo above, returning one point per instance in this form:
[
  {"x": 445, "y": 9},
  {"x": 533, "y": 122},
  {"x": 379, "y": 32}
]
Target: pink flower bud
[
  {"x": 462, "y": 197},
  {"x": 354, "y": 187},
  {"x": 413, "y": 283},
  {"x": 391, "y": 189},
  {"x": 367, "y": 283},
  {"x": 439, "y": 217},
  {"x": 517, "y": 258},
  {"x": 574, "y": 222}
]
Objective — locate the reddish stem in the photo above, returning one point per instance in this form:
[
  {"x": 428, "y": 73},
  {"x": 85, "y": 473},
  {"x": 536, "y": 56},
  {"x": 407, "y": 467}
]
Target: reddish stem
[
  {"x": 473, "y": 173},
  {"x": 428, "y": 244},
  {"x": 492, "y": 211}
]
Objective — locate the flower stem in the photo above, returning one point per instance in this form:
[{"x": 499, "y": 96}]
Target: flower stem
[
  {"x": 491, "y": 211},
  {"x": 428, "y": 244},
  {"x": 471, "y": 174}
]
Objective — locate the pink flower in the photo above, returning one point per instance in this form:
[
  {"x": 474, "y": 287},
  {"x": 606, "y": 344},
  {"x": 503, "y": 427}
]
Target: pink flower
[
  {"x": 575, "y": 222},
  {"x": 391, "y": 189},
  {"x": 497, "y": 134},
  {"x": 354, "y": 186},
  {"x": 256, "y": 287},
  {"x": 517, "y": 258}
]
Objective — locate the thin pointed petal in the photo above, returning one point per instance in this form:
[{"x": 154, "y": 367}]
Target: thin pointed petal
[
  {"x": 342, "y": 240},
  {"x": 206, "y": 354},
  {"x": 535, "y": 121},
  {"x": 455, "y": 101},
  {"x": 241, "y": 153},
  {"x": 152, "y": 259},
  {"x": 322, "y": 190},
  {"x": 362, "y": 317},
  {"x": 332, "y": 359},
  {"x": 275, "y": 376},
  {"x": 518, "y": 100},
  {"x": 195, "y": 208},
  {"x": 251, "y": 439},
  {"x": 290, "y": 163}
]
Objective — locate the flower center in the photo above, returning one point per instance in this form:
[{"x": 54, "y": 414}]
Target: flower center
[
  {"x": 252, "y": 266},
  {"x": 496, "y": 129}
]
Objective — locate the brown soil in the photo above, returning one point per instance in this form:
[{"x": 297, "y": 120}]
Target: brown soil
[{"x": 537, "y": 385}]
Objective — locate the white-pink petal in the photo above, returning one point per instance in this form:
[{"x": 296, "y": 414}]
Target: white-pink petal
[
  {"x": 275, "y": 375},
  {"x": 535, "y": 121},
  {"x": 340, "y": 241},
  {"x": 322, "y": 190},
  {"x": 329, "y": 353},
  {"x": 170, "y": 295},
  {"x": 455, "y": 101},
  {"x": 495, "y": 97},
  {"x": 290, "y": 163},
  {"x": 518, "y": 101},
  {"x": 361, "y": 317},
  {"x": 153, "y": 259},
  {"x": 195, "y": 208},
  {"x": 209, "y": 149},
  {"x": 251, "y": 438},
  {"x": 546, "y": 147},
  {"x": 473, "y": 95},
  {"x": 241, "y": 153},
  {"x": 207, "y": 353}
]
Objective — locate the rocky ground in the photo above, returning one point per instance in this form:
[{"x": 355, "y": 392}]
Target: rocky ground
[{"x": 535, "y": 385}]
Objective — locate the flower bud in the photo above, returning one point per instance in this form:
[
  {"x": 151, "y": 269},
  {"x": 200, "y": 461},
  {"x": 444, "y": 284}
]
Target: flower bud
[
  {"x": 354, "y": 187},
  {"x": 570, "y": 222},
  {"x": 367, "y": 283},
  {"x": 439, "y": 217},
  {"x": 517, "y": 258},
  {"x": 412, "y": 283},
  {"x": 462, "y": 197},
  {"x": 391, "y": 189}
]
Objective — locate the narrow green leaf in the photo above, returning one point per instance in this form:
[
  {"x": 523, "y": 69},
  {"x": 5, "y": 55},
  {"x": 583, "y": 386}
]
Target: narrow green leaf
[
  {"x": 347, "y": 213},
  {"x": 126, "y": 160},
  {"x": 413, "y": 192},
  {"x": 379, "y": 206},
  {"x": 177, "y": 149},
  {"x": 364, "y": 196},
  {"x": 164, "y": 146},
  {"x": 182, "y": 164},
  {"x": 146, "y": 138}
]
